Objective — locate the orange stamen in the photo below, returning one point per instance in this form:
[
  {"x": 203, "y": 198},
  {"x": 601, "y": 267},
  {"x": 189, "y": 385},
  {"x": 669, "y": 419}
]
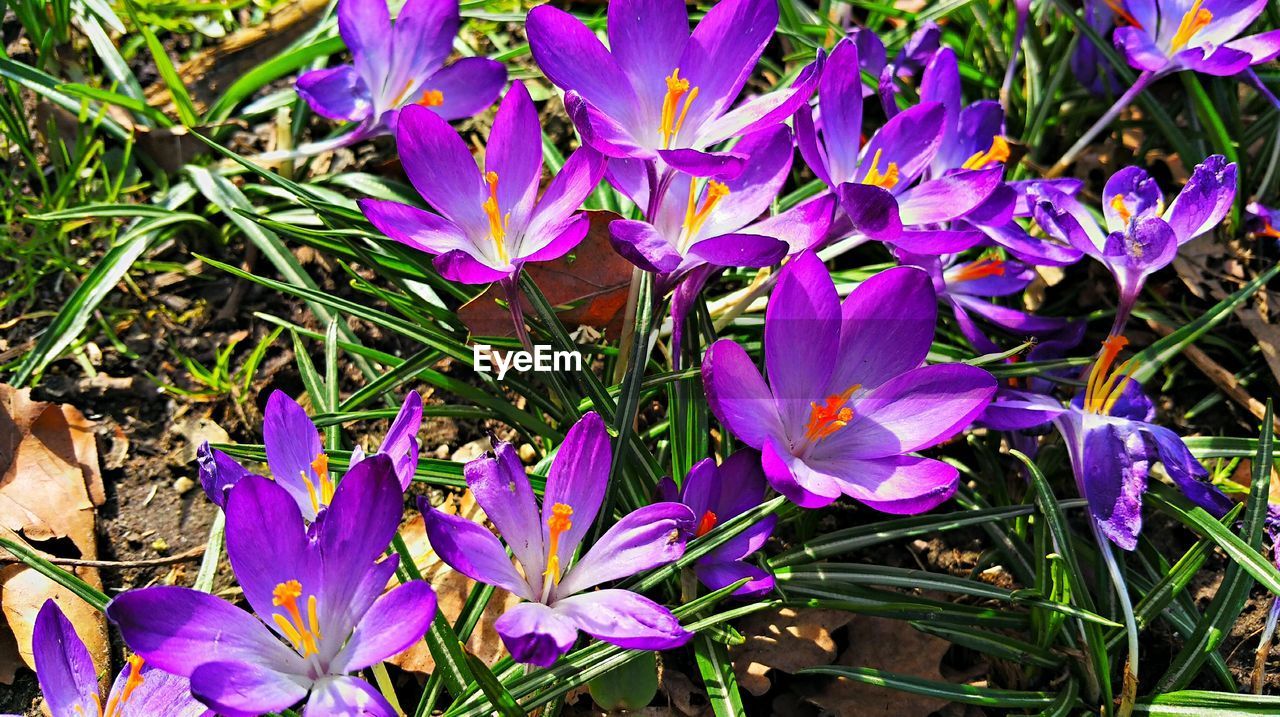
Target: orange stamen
[
  {"x": 998, "y": 152},
  {"x": 695, "y": 216},
  {"x": 1104, "y": 387},
  {"x": 321, "y": 494},
  {"x": 829, "y": 416},
  {"x": 1122, "y": 13},
  {"x": 672, "y": 113},
  {"x": 431, "y": 98},
  {"x": 980, "y": 269},
  {"x": 558, "y": 523},
  {"x": 1196, "y": 19},
  {"x": 497, "y": 221},
  {"x": 705, "y": 524},
  {"x": 1268, "y": 230},
  {"x": 888, "y": 180},
  {"x": 1117, "y": 203},
  {"x": 305, "y": 635}
]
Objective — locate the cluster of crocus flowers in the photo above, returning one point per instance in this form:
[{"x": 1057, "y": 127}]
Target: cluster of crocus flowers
[
  {"x": 397, "y": 65},
  {"x": 847, "y": 415},
  {"x": 489, "y": 223},
  {"x": 1142, "y": 234},
  {"x": 660, "y": 93},
  {"x": 317, "y": 592},
  {"x": 70, "y": 686},
  {"x": 558, "y": 600}
]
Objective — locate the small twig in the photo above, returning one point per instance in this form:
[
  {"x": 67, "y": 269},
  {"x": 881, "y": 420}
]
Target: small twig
[{"x": 114, "y": 564}]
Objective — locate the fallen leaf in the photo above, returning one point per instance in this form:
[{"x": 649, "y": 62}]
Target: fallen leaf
[
  {"x": 593, "y": 281},
  {"x": 50, "y": 485},
  {"x": 786, "y": 640},
  {"x": 882, "y": 644}
]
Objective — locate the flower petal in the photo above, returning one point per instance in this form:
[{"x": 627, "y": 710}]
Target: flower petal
[
  {"x": 242, "y": 689},
  {"x": 1114, "y": 463},
  {"x": 353, "y": 533},
  {"x": 1138, "y": 192},
  {"x": 909, "y": 140},
  {"x": 68, "y": 678},
  {"x": 792, "y": 477},
  {"x": 401, "y": 441},
  {"x": 347, "y": 696},
  {"x": 717, "y": 575},
  {"x": 571, "y": 56},
  {"x": 647, "y": 38},
  {"x": 949, "y": 196},
  {"x": 267, "y": 542},
  {"x": 466, "y": 267},
  {"x": 536, "y": 634},
  {"x": 420, "y": 42},
  {"x": 749, "y": 250},
  {"x": 765, "y": 111},
  {"x": 803, "y": 311},
  {"x": 442, "y": 169},
  {"x": 1187, "y": 473},
  {"x": 563, "y": 196},
  {"x": 396, "y": 621},
  {"x": 900, "y": 485},
  {"x": 722, "y": 52},
  {"x": 578, "y": 478},
  {"x": 840, "y": 99},
  {"x": 218, "y": 473},
  {"x": 886, "y": 328},
  {"x": 467, "y": 87},
  {"x": 643, "y": 539},
  {"x": 159, "y": 694},
  {"x": 292, "y": 444},
  {"x": 502, "y": 490},
  {"x": 364, "y": 26},
  {"x": 414, "y": 227},
  {"x": 337, "y": 93},
  {"x": 1204, "y": 201},
  {"x": 514, "y": 153},
  {"x": 625, "y": 619},
  {"x": 472, "y": 551},
  {"x": 871, "y": 210},
  {"x": 737, "y": 394}
]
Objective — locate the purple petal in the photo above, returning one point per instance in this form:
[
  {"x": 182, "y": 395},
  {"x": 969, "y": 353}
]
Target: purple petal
[
  {"x": 717, "y": 575},
  {"x": 948, "y": 197},
  {"x": 1204, "y": 201},
  {"x": 365, "y": 26},
  {"x": 741, "y": 485},
  {"x": 414, "y": 227},
  {"x": 63, "y": 665},
  {"x": 840, "y": 99},
  {"x": 578, "y": 478},
  {"x": 1147, "y": 246},
  {"x": 178, "y": 629},
  {"x": 1221, "y": 61},
  {"x": 502, "y": 490},
  {"x": 803, "y": 226},
  {"x": 722, "y": 52},
  {"x": 472, "y": 551},
  {"x": 803, "y": 311},
  {"x": 702, "y": 485},
  {"x": 467, "y": 87},
  {"x": 356, "y": 530},
  {"x": 900, "y": 485},
  {"x": 267, "y": 542},
  {"x": 241, "y": 689},
  {"x": 397, "y": 620},
  {"x": 814, "y": 154},
  {"x": 1066, "y": 219},
  {"x": 1263, "y": 47},
  {"x": 1115, "y": 465},
  {"x": 337, "y": 93},
  {"x": 749, "y": 250},
  {"x": 553, "y": 215},
  {"x": 639, "y": 243},
  {"x": 218, "y": 473},
  {"x": 420, "y": 42},
  {"x": 441, "y": 168},
  {"x": 721, "y": 165},
  {"x": 1016, "y": 410},
  {"x": 1139, "y": 193},
  {"x": 940, "y": 83},
  {"x": 159, "y": 694},
  {"x": 1187, "y": 473},
  {"x": 401, "y": 441},
  {"x": 603, "y": 132},
  {"x": 909, "y": 140},
  {"x": 292, "y": 443},
  {"x": 1012, "y": 321},
  {"x": 792, "y": 477},
  {"x": 514, "y": 154},
  {"x": 872, "y": 210},
  {"x": 738, "y": 396},
  {"x": 768, "y": 110},
  {"x": 571, "y": 56},
  {"x": 886, "y": 328},
  {"x": 936, "y": 242},
  {"x": 625, "y": 619},
  {"x": 643, "y": 539},
  {"x": 563, "y": 240},
  {"x": 1032, "y": 250},
  {"x": 536, "y": 634},
  {"x": 347, "y": 696},
  {"x": 647, "y": 38},
  {"x": 1140, "y": 50},
  {"x": 462, "y": 266},
  {"x": 768, "y": 154}
]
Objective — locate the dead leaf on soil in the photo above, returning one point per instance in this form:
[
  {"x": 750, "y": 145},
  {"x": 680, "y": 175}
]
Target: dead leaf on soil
[
  {"x": 786, "y": 640},
  {"x": 50, "y": 484},
  {"x": 452, "y": 589},
  {"x": 883, "y": 644},
  {"x": 592, "y": 280}
]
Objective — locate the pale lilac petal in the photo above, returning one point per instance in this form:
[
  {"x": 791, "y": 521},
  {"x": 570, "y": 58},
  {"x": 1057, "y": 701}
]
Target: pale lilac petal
[
  {"x": 472, "y": 551},
  {"x": 536, "y": 634},
  {"x": 514, "y": 154},
  {"x": 625, "y": 619},
  {"x": 292, "y": 444},
  {"x": 501, "y": 488},
  {"x": 564, "y": 239},
  {"x": 900, "y": 485},
  {"x": 948, "y": 197},
  {"x": 578, "y": 478},
  {"x": 337, "y": 93},
  {"x": 414, "y": 227},
  {"x": 795, "y": 479},
  {"x": 242, "y": 689},
  {"x": 1139, "y": 193},
  {"x": 63, "y": 665},
  {"x": 886, "y": 328},
  {"x": 467, "y": 87},
  {"x": 159, "y": 694},
  {"x": 347, "y": 696},
  {"x": 738, "y": 396},
  {"x": 751, "y": 193},
  {"x": 1263, "y": 47},
  {"x": 397, "y": 620},
  {"x": 645, "y": 538}
]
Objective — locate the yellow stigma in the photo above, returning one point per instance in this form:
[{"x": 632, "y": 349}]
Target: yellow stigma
[
  {"x": 558, "y": 523},
  {"x": 497, "y": 221},
  {"x": 1117, "y": 204},
  {"x": 1105, "y": 387},
  {"x": 431, "y": 98},
  {"x": 829, "y": 416},
  {"x": 673, "y": 113},
  {"x": 998, "y": 152},
  {"x": 695, "y": 216},
  {"x": 1196, "y": 19},
  {"x": 305, "y": 635},
  {"x": 888, "y": 180},
  {"x": 321, "y": 493}
]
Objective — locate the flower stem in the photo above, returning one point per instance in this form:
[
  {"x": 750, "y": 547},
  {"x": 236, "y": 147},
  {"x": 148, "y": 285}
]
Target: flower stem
[
  {"x": 1140, "y": 84},
  {"x": 511, "y": 286},
  {"x": 1129, "y": 691}
]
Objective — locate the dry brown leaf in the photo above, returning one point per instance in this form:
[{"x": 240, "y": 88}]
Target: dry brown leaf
[
  {"x": 593, "y": 278},
  {"x": 50, "y": 484},
  {"x": 883, "y": 644},
  {"x": 787, "y": 640},
  {"x": 452, "y": 589}
]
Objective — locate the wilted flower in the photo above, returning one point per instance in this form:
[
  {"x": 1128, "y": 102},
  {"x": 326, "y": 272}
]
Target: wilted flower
[
  {"x": 69, "y": 682},
  {"x": 318, "y": 595},
  {"x": 545, "y": 627},
  {"x": 661, "y": 93},
  {"x": 716, "y": 494},
  {"x": 1142, "y": 235},
  {"x": 400, "y": 65},
  {"x": 844, "y": 415},
  {"x": 492, "y": 223}
]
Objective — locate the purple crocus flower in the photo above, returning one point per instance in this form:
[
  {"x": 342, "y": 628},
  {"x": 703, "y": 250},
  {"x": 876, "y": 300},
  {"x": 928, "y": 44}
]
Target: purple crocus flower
[
  {"x": 492, "y": 223},
  {"x": 1261, "y": 220},
  {"x": 906, "y": 65},
  {"x": 545, "y": 627},
  {"x": 716, "y": 494},
  {"x": 399, "y": 65},
  {"x": 876, "y": 184},
  {"x": 70, "y": 683},
  {"x": 318, "y": 594},
  {"x": 1112, "y": 443},
  {"x": 1088, "y": 65},
  {"x": 844, "y": 415},
  {"x": 1142, "y": 236},
  {"x": 1163, "y": 36},
  {"x": 297, "y": 458},
  {"x": 660, "y": 93}
]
